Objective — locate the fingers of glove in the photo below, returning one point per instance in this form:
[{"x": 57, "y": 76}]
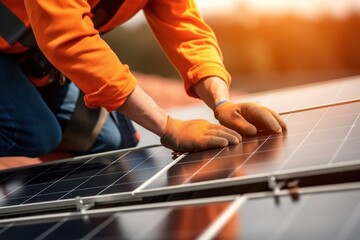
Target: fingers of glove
[
  {"x": 198, "y": 144},
  {"x": 192, "y": 135},
  {"x": 208, "y": 142},
  {"x": 230, "y": 135},
  {"x": 229, "y": 115},
  {"x": 232, "y": 132},
  {"x": 239, "y": 124},
  {"x": 278, "y": 118},
  {"x": 262, "y": 116}
]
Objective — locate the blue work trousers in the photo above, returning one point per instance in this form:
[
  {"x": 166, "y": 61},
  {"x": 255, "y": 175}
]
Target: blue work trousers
[{"x": 31, "y": 119}]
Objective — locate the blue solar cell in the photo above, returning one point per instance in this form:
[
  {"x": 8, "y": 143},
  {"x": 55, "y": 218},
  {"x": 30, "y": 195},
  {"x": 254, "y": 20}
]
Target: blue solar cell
[{"x": 114, "y": 172}]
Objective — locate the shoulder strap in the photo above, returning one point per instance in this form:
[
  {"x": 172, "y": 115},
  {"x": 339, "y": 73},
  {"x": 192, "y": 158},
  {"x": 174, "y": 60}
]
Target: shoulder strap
[{"x": 102, "y": 13}]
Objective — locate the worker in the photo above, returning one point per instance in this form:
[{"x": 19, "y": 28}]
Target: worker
[{"x": 62, "y": 87}]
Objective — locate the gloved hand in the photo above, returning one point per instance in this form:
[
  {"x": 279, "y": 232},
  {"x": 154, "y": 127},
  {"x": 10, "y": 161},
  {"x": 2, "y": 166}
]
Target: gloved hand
[
  {"x": 248, "y": 118},
  {"x": 196, "y": 135}
]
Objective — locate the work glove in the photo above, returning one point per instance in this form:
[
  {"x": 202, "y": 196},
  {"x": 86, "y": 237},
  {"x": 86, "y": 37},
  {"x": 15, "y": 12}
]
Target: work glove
[
  {"x": 248, "y": 118},
  {"x": 196, "y": 135}
]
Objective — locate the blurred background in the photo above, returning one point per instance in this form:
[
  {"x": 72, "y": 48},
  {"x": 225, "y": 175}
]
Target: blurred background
[{"x": 266, "y": 44}]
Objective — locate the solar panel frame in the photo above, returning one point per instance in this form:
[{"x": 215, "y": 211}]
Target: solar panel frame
[{"x": 141, "y": 191}]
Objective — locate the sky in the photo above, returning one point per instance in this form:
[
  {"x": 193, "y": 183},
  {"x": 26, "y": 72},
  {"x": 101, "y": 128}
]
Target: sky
[
  {"x": 308, "y": 8},
  {"x": 305, "y": 8}
]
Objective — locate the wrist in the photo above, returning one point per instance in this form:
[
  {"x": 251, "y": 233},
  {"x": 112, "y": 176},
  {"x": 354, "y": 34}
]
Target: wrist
[
  {"x": 217, "y": 104},
  {"x": 212, "y": 90}
]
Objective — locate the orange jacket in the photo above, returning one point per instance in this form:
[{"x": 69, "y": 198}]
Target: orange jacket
[{"x": 65, "y": 33}]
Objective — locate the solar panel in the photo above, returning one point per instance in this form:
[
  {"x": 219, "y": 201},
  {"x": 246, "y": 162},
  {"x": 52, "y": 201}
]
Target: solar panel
[
  {"x": 60, "y": 183},
  {"x": 317, "y": 213},
  {"x": 179, "y": 220},
  {"x": 319, "y": 140}
]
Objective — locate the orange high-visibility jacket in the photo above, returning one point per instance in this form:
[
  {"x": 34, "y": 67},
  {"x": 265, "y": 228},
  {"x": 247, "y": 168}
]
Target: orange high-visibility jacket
[{"x": 66, "y": 35}]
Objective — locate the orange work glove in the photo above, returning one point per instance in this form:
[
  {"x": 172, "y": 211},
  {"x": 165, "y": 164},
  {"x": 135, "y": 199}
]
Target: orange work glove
[
  {"x": 196, "y": 135},
  {"x": 248, "y": 118}
]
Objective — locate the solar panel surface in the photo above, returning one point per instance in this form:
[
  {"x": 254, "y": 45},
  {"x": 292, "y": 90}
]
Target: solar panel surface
[
  {"x": 116, "y": 172},
  {"x": 181, "y": 221},
  {"x": 318, "y": 213},
  {"x": 321, "y": 138},
  {"x": 140, "y": 172}
]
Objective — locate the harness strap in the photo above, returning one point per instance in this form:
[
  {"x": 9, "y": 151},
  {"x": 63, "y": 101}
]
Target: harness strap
[
  {"x": 12, "y": 29},
  {"x": 84, "y": 127}
]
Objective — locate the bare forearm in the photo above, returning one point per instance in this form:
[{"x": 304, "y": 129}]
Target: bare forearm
[
  {"x": 142, "y": 109},
  {"x": 183, "y": 136},
  {"x": 212, "y": 90}
]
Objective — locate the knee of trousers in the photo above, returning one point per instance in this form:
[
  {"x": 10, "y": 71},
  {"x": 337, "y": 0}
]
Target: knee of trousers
[
  {"x": 37, "y": 140},
  {"x": 49, "y": 139}
]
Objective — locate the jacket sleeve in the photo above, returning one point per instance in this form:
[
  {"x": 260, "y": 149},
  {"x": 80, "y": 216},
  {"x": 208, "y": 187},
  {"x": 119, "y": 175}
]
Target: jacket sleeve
[
  {"x": 189, "y": 43},
  {"x": 65, "y": 33}
]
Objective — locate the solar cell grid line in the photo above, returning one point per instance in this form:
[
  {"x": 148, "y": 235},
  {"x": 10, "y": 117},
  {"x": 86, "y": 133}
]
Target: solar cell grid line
[
  {"x": 131, "y": 170},
  {"x": 6, "y": 227},
  {"x": 26, "y": 192},
  {"x": 114, "y": 173},
  {"x": 22, "y": 176},
  {"x": 102, "y": 170},
  {"x": 350, "y": 225},
  {"x": 19, "y": 179},
  {"x": 72, "y": 183},
  {"x": 203, "y": 166},
  {"x": 55, "y": 182},
  {"x": 326, "y": 214},
  {"x": 51, "y": 229},
  {"x": 332, "y": 130},
  {"x": 5, "y": 175},
  {"x": 302, "y": 142},
  {"x": 343, "y": 141},
  {"x": 299, "y": 150},
  {"x": 185, "y": 219}
]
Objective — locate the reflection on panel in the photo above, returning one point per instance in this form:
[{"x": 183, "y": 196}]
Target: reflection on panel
[
  {"x": 181, "y": 222},
  {"x": 321, "y": 216}
]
